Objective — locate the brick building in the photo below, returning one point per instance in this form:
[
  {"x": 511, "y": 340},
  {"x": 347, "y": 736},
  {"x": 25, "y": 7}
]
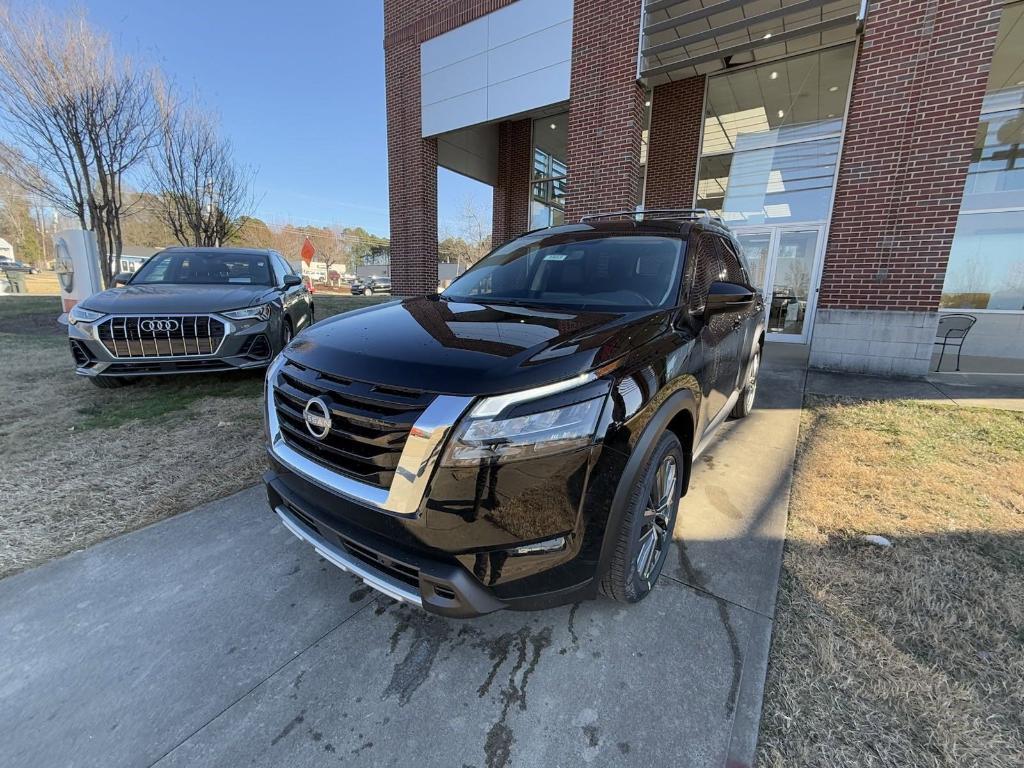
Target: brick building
[{"x": 868, "y": 153}]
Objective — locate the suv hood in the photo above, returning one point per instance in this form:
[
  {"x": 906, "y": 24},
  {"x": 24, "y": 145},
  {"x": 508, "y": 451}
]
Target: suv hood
[
  {"x": 173, "y": 299},
  {"x": 470, "y": 349}
]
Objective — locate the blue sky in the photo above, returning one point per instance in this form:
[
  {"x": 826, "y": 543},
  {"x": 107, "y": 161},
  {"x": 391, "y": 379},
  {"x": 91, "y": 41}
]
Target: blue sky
[{"x": 299, "y": 88}]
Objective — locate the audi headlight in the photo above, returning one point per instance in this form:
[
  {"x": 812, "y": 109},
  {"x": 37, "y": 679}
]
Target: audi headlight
[
  {"x": 80, "y": 314},
  {"x": 485, "y": 437},
  {"x": 261, "y": 312}
]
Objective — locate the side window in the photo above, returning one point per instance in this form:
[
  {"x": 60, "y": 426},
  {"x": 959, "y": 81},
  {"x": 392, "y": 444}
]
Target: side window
[
  {"x": 708, "y": 267},
  {"x": 735, "y": 269},
  {"x": 281, "y": 267}
]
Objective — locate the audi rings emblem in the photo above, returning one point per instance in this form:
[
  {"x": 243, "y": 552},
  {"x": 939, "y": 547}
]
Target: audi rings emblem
[
  {"x": 159, "y": 326},
  {"x": 317, "y": 416}
]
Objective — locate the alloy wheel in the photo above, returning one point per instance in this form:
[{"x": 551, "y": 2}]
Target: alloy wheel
[
  {"x": 655, "y": 533},
  {"x": 751, "y": 389}
]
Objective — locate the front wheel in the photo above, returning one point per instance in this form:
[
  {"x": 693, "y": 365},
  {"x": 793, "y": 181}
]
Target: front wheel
[
  {"x": 745, "y": 403},
  {"x": 645, "y": 535},
  {"x": 368, "y": 292}
]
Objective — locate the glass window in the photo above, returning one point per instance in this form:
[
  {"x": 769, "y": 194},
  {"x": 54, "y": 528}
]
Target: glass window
[
  {"x": 986, "y": 261},
  {"x": 797, "y": 99},
  {"x": 770, "y": 186},
  {"x": 771, "y": 139},
  {"x": 579, "y": 270},
  {"x": 547, "y": 204},
  {"x": 205, "y": 268}
]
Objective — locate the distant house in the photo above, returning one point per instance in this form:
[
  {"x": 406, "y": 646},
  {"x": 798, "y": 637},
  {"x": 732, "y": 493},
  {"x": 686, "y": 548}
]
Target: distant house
[
  {"x": 133, "y": 257},
  {"x": 6, "y": 250}
]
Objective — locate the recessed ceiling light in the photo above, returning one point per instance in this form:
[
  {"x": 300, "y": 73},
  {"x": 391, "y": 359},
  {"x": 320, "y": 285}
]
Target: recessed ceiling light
[
  {"x": 775, "y": 75},
  {"x": 1020, "y": 82},
  {"x": 554, "y": 126},
  {"x": 833, "y": 89},
  {"x": 767, "y": 35},
  {"x": 831, "y": 114},
  {"x": 781, "y": 114},
  {"x": 647, "y": 103}
]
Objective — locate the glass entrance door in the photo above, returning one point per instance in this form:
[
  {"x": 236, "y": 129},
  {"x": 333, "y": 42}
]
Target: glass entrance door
[{"x": 784, "y": 263}]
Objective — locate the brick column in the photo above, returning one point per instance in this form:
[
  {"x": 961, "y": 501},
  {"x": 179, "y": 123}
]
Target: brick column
[
  {"x": 917, "y": 94},
  {"x": 412, "y": 160},
  {"x": 606, "y": 106},
  {"x": 677, "y": 110},
  {"x": 511, "y": 215}
]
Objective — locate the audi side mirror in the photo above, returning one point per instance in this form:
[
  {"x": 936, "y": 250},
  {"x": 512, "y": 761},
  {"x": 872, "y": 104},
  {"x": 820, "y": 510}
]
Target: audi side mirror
[
  {"x": 727, "y": 297},
  {"x": 122, "y": 278},
  {"x": 290, "y": 281}
]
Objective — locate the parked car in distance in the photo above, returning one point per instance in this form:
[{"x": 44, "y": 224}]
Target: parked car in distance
[
  {"x": 522, "y": 439},
  {"x": 9, "y": 265},
  {"x": 371, "y": 286},
  {"x": 188, "y": 310}
]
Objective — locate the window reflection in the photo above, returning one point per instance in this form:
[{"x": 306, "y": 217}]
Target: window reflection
[
  {"x": 771, "y": 139},
  {"x": 547, "y": 201},
  {"x": 986, "y": 261}
]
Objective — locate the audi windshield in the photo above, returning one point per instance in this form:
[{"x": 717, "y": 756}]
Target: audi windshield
[
  {"x": 197, "y": 268},
  {"x": 620, "y": 272}
]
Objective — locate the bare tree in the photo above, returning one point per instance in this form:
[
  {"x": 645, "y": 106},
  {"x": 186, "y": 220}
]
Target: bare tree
[
  {"x": 204, "y": 195},
  {"x": 78, "y": 119}
]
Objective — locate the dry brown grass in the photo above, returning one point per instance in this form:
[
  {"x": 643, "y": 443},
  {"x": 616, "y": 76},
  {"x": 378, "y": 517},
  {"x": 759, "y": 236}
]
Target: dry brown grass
[
  {"x": 69, "y": 481},
  {"x": 914, "y": 655}
]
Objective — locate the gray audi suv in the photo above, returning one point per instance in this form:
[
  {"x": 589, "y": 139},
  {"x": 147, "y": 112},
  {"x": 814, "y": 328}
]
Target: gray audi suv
[{"x": 189, "y": 310}]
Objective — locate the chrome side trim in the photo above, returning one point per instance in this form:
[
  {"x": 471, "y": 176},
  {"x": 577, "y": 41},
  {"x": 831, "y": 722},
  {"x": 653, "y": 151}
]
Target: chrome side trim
[
  {"x": 492, "y": 406},
  {"x": 383, "y": 583},
  {"x": 716, "y": 423},
  {"x": 415, "y": 466}
]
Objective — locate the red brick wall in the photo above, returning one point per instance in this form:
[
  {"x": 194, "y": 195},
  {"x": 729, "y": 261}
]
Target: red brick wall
[
  {"x": 917, "y": 95},
  {"x": 605, "y": 109},
  {"x": 412, "y": 160},
  {"x": 674, "y": 143},
  {"x": 511, "y": 216}
]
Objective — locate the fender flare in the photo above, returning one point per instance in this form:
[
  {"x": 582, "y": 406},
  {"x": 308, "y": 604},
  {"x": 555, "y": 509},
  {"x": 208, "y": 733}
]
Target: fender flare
[{"x": 680, "y": 401}]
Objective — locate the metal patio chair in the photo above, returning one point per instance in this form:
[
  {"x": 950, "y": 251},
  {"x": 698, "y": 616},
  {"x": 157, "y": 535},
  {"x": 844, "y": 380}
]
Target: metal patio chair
[{"x": 952, "y": 332}]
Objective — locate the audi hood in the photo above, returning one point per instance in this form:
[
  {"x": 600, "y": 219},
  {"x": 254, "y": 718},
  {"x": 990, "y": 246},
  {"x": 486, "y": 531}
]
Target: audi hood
[{"x": 177, "y": 299}]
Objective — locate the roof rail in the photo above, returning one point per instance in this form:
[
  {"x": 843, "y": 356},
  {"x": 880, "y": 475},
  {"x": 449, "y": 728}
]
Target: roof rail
[{"x": 658, "y": 214}]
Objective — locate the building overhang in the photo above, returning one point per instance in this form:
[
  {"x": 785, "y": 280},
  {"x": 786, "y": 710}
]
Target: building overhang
[{"x": 684, "y": 38}]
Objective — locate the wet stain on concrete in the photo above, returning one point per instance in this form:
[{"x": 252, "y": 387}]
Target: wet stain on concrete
[
  {"x": 709, "y": 460},
  {"x": 365, "y": 746},
  {"x": 528, "y": 647},
  {"x": 592, "y": 734},
  {"x": 328, "y": 747},
  {"x": 429, "y": 633},
  {"x": 294, "y": 723},
  {"x": 623, "y": 747},
  {"x": 359, "y": 593},
  {"x": 719, "y": 498},
  {"x": 572, "y": 625},
  {"x": 694, "y": 577}
]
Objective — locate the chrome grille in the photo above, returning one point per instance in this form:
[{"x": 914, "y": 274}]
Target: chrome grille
[
  {"x": 370, "y": 424},
  {"x": 161, "y": 335}
]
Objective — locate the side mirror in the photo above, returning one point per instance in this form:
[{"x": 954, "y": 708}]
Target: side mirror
[
  {"x": 290, "y": 281},
  {"x": 122, "y": 278},
  {"x": 727, "y": 297}
]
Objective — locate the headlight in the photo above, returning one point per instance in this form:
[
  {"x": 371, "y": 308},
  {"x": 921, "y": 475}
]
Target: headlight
[
  {"x": 80, "y": 314},
  {"x": 485, "y": 440},
  {"x": 262, "y": 312}
]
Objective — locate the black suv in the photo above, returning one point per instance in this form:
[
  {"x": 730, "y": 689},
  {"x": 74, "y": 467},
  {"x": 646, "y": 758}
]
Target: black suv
[
  {"x": 522, "y": 439},
  {"x": 371, "y": 286}
]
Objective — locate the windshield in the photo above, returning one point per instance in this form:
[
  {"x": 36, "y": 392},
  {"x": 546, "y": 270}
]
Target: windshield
[
  {"x": 623, "y": 272},
  {"x": 202, "y": 268}
]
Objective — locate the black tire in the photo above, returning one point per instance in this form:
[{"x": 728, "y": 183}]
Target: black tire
[
  {"x": 628, "y": 580},
  {"x": 109, "y": 382},
  {"x": 368, "y": 292},
  {"x": 745, "y": 403}
]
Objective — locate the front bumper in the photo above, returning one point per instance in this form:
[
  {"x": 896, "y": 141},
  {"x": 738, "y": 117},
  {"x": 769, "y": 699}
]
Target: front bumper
[{"x": 244, "y": 346}]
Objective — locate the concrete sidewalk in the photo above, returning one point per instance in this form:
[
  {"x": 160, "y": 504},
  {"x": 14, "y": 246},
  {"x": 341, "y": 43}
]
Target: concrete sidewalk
[
  {"x": 966, "y": 390},
  {"x": 217, "y": 638}
]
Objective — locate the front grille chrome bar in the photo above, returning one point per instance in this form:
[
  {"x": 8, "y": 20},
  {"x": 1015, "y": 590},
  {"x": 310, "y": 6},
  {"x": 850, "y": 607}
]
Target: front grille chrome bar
[
  {"x": 420, "y": 455},
  {"x": 148, "y": 337}
]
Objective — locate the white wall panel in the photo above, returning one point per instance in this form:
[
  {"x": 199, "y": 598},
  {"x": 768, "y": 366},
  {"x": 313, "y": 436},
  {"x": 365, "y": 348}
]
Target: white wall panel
[
  {"x": 464, "y": 109},
  {"x": 510, "y": 61}
]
